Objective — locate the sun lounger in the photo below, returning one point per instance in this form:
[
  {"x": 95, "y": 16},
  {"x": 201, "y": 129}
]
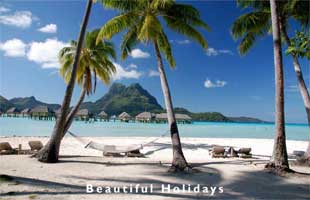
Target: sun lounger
[
  {"x": 298, "y": 153},
  {"x": 245, "y": 153},
  {"x": 35, "y": 145},
  {"x": 217, "y": 152},
  {"x": 6, "y": 149}
]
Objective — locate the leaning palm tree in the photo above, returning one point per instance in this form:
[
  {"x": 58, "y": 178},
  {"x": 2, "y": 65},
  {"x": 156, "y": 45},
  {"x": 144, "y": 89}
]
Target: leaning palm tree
[
  {"x": 142, "y": 20},
  {"x": 257, "y": 23},
  {"x": 95, "y": 62},
  {"x": 50, "y": 152},
  {"x": 279, "y": 160}
]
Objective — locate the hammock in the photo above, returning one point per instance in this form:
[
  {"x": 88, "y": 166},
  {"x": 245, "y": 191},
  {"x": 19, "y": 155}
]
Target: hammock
[{"x": 114, "y": 148}]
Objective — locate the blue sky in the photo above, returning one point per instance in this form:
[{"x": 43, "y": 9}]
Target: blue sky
[{"x": 218, "y": 79}]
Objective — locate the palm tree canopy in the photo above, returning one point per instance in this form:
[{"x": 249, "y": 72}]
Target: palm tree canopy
[
  {"x": 95, "y": 61},
  {"x": 257, "y": 23},
  {"x": 142, "y": 20}
]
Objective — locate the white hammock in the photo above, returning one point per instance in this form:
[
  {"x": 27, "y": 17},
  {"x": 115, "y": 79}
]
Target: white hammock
[{"x": 114, "y": 148}]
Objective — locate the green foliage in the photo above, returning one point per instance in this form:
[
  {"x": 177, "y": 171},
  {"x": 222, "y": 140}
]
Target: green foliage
[
  {"x": 300, "y": 44},
  {"x": 95, "y": 61},
  {"x": 142, "y": 21},
  {"x": 257, "y": 23}
]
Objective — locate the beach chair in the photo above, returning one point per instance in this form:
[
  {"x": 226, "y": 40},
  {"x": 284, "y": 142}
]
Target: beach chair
[
  {"x": 6, "y": 149},
  {"x": 245, "y": 153},
  {"x": 35, "y": 145},
  {"x": 232, "y": 152},
  {"x": 217, "y": 152}
]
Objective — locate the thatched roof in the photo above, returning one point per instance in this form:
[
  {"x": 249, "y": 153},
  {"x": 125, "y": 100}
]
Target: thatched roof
[
  {"x": 182, "y": 117},
  {"x": 102, "y": 114},
  {"x": 145, "y": 115},
  {"x": 25, "y": 111},
  {"x": 161, "y": 116},
  {"x": 40, "y": 109},
  {"x": 12, "y": 110},
  {"x": 82, "y": 112},
  {"x": 177, "y": 116},
  {"x": 124, "y": 115}
]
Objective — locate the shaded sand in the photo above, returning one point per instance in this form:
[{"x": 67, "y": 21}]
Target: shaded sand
[{"x": 240, "y": 178}]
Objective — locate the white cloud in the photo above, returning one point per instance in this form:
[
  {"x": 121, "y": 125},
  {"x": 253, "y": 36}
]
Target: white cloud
[
  {"x": 13, "y": 48},
  {"x": 122, "y": 73},
  {"x": 46, "y": 53},
  {"x": 133, "y": 66},
  {"x": 215, "y": 52},
  {"x": 153, "y": 73},
  {"x": 138, "y": 53},
  {"x": 49, "y": 28},
  {"x": 183, "y": 41},
  {"x": 20, "y": 19},
  {"x": 4, "y": 9},
  {"x": 217, "y": 84}
]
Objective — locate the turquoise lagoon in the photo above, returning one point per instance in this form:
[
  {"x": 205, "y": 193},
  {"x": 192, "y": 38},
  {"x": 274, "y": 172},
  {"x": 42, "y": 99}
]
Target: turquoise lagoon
[{"x": 29, "y": 127}]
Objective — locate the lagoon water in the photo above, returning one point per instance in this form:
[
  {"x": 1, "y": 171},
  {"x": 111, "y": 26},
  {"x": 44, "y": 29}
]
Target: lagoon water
[{"x": 30, "y": 127}]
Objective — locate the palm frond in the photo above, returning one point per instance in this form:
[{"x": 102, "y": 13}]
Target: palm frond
[{"x": 165, "y": 48}]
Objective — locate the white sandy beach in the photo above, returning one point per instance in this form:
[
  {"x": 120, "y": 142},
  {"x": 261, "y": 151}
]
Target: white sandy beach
[{"x": 240, "y": 178}]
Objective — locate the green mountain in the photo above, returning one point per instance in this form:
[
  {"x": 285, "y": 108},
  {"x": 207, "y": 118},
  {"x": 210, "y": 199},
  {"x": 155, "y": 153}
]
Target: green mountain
[
  {"x": 24, "y": 102},
  {"x": 132, "y": 99},
  {"x": 4, "y": 104}
]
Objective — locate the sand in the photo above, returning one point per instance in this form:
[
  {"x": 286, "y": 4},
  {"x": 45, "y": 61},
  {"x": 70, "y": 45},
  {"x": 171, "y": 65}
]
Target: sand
[{"x": 238, "y": 178}]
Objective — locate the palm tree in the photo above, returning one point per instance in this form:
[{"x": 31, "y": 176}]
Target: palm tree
[
  {"x": 142, "y": 20},
  {"x": 257, "y": 23},
  {"x": 279, "y": 160},
  {"x": 94, "y": 63},
  {"x": 50, "y": 152}
]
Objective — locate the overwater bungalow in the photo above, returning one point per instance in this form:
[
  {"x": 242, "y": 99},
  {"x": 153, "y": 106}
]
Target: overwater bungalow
[
  {"x": 103, "y": 116},
  {"x": 12, "y": 112},
  {"x": 42, "y": 113},
  {"x": 145, "y": 117},
  {"x": 183, "y": 118},
  {"x": 161, "y": 118},
  {"x": 180, "y": 118},
  {"x": 25, "y": 112},
  {"x": 83, "y": 115},
  {"x": 124, "y": 117},
  {"x": 113, "y": 117}
]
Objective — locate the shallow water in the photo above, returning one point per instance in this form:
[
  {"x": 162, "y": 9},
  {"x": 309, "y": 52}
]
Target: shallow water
[{"x": 29, "y": 127}]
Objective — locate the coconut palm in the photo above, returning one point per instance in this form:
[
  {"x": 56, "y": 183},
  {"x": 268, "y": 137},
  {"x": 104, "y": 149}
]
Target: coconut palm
[
  {"x": 257, "y": 23},
  {"x": 94, "y": 63},
  {"x": 143, "y": 22},
  {"x": 50, "y": 152},
  {"x": 279, "y": 159}
]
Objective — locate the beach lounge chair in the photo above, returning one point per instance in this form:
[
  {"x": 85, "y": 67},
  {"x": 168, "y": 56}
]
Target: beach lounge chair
[
  {"x": 232, "y": 152},
  {"x": 6, "y": 149},
  {"x": 35, "y": 145},
  {"x": 245, "y": 153},
  {"x": 217, "y": 152}
]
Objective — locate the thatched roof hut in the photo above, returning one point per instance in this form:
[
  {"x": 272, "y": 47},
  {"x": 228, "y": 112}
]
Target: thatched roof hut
[
  {"x": 83, "y": 113},
  {"x": 12, "y": 110},
  {"x": 124, "y": 116},
  {"x": 145, "y": 116},
  {"x": 25, "y": 111},
  {"x": 161, "y": 116},
  {"x": 41, "y": 111},
  {"x": 103, "y": 114},
  {"x": 182, "y": 117}
]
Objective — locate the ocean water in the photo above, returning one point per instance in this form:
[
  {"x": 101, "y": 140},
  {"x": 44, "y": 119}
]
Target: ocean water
[{"x": 29, "y": 127}]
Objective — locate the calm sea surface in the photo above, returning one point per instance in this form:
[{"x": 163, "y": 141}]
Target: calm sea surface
[{"x": 29, "y": 127}]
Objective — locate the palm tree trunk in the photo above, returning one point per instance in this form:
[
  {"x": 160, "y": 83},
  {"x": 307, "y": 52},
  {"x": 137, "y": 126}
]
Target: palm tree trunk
[
  {"x": 279, "y": 160},
  {"x": 301, "y": 82},
  {"x": 178, "y": 162},
  {"x": 73, "y": 112},
  {"x": 50, "y": 152}
]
